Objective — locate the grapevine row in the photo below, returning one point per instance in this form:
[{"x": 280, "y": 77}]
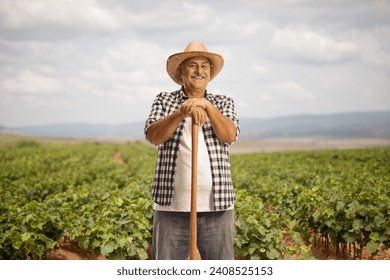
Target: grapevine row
[
  {"x": 339, "y": 197},
  {"x": 77, "y": 190}
]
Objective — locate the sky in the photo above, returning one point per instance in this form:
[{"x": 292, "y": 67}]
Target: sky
[{"x": 101, "y": 61}]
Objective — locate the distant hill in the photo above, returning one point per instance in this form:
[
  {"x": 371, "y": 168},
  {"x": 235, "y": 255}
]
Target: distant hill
[{"x": 346, "y": 125}]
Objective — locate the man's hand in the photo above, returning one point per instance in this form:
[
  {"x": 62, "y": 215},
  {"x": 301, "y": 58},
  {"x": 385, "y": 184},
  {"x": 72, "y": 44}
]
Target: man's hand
[
  {"x": 203, "y": 111},
  {"x": 196, "y": 108},
  {"x": 199, "y": 116}
]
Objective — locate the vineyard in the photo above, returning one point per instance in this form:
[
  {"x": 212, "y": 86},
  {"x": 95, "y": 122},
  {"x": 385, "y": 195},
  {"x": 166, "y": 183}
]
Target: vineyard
[{"x": 287, "y": 201}]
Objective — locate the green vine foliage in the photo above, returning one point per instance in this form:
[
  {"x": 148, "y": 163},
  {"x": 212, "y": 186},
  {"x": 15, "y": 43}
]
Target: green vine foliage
[
  {"x": 52, "y": 189},
  {"x": 78, "y": 191},
  {"x": 256, "y": 236},
  {"x": 341, "y": 196}
]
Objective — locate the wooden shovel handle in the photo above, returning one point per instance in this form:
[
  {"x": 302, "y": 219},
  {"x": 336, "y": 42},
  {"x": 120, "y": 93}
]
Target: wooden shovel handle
[{"x": 194, "y": 183}]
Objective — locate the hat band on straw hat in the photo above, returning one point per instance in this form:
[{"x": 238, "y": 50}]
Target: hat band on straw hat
[{"x": 192, "y": 50}]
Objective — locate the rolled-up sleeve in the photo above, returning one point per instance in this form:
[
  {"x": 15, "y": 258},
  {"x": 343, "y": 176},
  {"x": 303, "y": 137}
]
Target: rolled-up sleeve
[
  {"x": 229, "y": 111},
  {"x": 226, "y": 106},
  {"x": 156, "y": 112}
]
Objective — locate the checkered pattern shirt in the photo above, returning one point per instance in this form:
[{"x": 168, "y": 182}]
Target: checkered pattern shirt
[{"x": 163, "y": 183}]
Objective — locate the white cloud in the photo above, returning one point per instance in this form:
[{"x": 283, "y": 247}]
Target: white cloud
[
  {"x": 25, "y": 13},
  {"x": 310, "y": 45},
  {"x": 255, "y": 26},
  {"x": 31, "y": 83},
  {"x": 371, "y": 49},
  {"x": 293, "y": 89},
  {"x": 38, "y": 56},
  {"x": 196, "y": 11},
  {"x": 30, "y": 102},
  {"x": 123, "y": 67},
  {"x": 260, "y": 69},
  {"x": 136, "y": 52},
  {"x": 266, "y": 97},
  {"x": 100, "y": 55}
]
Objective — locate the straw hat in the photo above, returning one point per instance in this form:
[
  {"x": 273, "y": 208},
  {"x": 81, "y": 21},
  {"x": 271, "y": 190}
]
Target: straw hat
[{"x": 193, "y": 49}]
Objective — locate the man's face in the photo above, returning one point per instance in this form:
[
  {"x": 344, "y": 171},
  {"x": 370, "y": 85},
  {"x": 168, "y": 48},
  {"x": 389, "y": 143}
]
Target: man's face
[{"x": 195, "y": 72}]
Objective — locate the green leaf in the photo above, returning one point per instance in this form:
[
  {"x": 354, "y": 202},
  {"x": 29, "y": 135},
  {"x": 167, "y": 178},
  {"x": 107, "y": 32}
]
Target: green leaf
[
  {"x": 272, "y": 254},
  {"x": 340, "y": 205},
  {"x": 374, "y": 236},
  {"x": 25, "y": 236},
  {"x": 107, "y": 248},
  {"x": 118, "y": 201},
  {"x": 316, "y": 215},
  {"x": 16, "y": 244},
  {"x": 372, "y": 247},
  {"x": 357, "y": 225},
  {"x": 350, "y": 237},
  {"x": 252, "y": 248}
]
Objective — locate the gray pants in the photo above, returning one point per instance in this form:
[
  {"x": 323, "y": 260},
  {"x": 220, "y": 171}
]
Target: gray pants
[{"x": 171, "y": 234}]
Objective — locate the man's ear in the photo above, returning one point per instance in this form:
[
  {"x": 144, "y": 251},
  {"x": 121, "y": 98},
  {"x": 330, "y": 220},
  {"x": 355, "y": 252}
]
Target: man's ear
[{"x": 179, "y": 71}]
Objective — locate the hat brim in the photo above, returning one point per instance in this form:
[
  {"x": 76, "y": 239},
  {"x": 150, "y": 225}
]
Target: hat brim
[{"x": 174, "y": 61}]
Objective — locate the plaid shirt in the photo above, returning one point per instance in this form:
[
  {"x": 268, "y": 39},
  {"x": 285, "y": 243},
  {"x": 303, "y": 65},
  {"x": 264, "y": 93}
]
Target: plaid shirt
[{"x": 162, "y": 189}]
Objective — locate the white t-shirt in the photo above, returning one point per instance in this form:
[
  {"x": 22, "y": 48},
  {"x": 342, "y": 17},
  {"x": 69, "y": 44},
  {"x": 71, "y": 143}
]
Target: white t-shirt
[{"x": 181, "y": 201}]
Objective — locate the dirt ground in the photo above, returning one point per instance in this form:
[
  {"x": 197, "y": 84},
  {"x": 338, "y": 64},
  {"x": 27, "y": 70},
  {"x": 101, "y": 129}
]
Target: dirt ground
[
  {"x": 68, "y": 250},
  {"x": 320, "y": 254}
]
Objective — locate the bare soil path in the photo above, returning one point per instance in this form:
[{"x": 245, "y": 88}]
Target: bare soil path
[{"x": 69, "y": 250}]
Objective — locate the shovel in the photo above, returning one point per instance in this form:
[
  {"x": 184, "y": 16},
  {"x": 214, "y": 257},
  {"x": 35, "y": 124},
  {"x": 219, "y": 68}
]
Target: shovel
[{"x": 194, "y": 253}]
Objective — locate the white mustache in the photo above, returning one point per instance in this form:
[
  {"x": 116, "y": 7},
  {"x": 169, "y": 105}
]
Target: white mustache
[{"x": 197, "y": 76}]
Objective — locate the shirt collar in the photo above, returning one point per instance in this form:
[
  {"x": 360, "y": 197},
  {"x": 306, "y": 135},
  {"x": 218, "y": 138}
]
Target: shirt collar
[{"x": 183, "y": 96}]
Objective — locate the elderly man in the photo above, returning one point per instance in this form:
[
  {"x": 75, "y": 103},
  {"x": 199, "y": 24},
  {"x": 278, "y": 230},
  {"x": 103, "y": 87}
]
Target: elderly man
[{"x": 169, "y": 127}]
